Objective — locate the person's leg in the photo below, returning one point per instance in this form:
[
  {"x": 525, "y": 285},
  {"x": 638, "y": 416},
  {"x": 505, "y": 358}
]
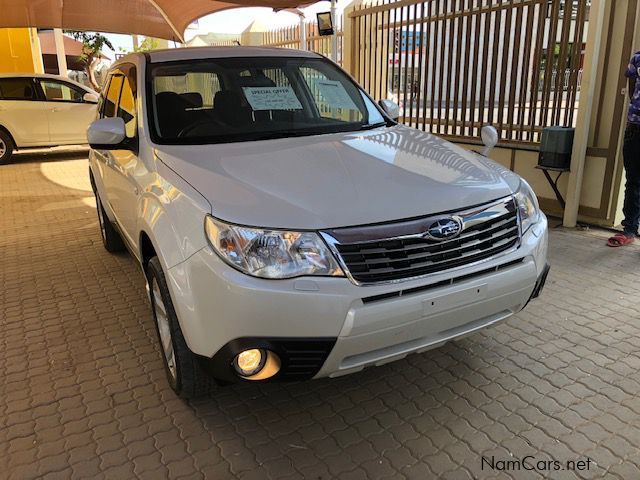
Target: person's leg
[{"x": 631, "y": 208}]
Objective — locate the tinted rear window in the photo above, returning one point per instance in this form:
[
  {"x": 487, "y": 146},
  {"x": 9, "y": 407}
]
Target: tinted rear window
[{"x": 16, "y": 89}]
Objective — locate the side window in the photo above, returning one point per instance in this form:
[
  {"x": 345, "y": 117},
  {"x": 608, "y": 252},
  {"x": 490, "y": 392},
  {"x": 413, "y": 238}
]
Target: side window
[
  {"x": 55, "y": 91},
  {"x": 17, "y": 89},
  {"x": 112, "y": 97},
  {"x": 127, "y": 104}
]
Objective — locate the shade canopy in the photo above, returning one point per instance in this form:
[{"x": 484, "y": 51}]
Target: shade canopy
[{"x": 155, "y": 18}]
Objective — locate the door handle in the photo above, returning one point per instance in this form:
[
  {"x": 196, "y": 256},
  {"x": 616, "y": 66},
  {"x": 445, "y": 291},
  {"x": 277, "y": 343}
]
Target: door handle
[{"x": 54, "y": 109}]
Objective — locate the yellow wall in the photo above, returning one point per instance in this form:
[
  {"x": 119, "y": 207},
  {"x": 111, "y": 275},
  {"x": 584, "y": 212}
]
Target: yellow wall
[{"x": 20, "y": 51}]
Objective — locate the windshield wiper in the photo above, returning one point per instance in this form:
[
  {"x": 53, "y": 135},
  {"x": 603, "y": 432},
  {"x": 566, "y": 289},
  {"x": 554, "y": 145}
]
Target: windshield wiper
[{"x": 373, "y": 125}]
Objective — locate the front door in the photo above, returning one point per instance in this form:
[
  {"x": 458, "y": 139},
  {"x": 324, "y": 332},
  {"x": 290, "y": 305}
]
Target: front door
[
  {"x": 23, "y": 113},
  {"x": 69, "y": 115},
  {"x": 122, "y": 168}
]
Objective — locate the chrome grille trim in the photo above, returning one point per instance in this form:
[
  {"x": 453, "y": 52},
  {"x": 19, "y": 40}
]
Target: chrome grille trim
[{"x": 398, "y": 251}]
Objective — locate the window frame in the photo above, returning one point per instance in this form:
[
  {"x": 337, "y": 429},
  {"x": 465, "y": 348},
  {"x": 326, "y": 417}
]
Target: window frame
[{"x": 125, "y": 70}]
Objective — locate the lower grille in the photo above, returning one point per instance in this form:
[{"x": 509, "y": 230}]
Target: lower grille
[
  {"x": 303, "y": 359},
  {"x": 402, "y": 250}
]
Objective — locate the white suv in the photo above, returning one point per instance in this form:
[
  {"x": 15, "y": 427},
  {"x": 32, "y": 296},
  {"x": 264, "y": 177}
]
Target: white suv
[
  {"x": 289, "y": 229},
  {"x": 38, "y": 110}
]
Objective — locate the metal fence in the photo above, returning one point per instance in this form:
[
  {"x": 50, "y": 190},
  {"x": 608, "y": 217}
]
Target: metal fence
[
  {"x": 289, "y": 37},
  {"x": 455, "y": 65}
]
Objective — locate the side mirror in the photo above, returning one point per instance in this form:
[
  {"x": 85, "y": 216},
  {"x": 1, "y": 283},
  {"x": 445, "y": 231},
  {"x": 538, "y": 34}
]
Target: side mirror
[
  {"x": 107, "y": 134},
  {"x": 489, "y": 136},
  {"x": 90, "y": 98},
  {"x": 391, "y": 108}
]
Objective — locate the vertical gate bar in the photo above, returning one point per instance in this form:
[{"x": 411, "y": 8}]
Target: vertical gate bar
[
  {"x": 394, "y": 11},
  {"x": 406, "y": 64},
  {"x": 522, "y": 97},
  {"x": 413, "y": 63},
  {"x": 475, "y": 22},
  {"x": 448, "y": 41},
  {"x": 536, "y": 70},
  {"x": 458, "y": 67},
  {"x": 434, "y": 70},
  {"x": 467, "y": 6},
  {"x": 420, "y": 118},
  {"x": 552, "y": 38},
  {"x": 361, "y": 48},
  {"x": 367, "y": 51},
  {"x": 506, "y": 43},
  {"x": 516, "y": 73},
  {"x": 497, "y": 20},
  {"x": 428, "y": 51},
  {"x": 562, "y": 63},
  {"x": 441, "y": 47},
  {"x": 375, "y": 58},
  {"x": 386, "y": 28},
  {"x": 576, "y": 63},
  {"x": 482, "y": 19}
]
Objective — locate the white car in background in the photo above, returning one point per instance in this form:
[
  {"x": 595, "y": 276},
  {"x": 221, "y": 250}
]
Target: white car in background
[
  {"x": 39, "y": 110},
  {"x": 288, "y": 228}
]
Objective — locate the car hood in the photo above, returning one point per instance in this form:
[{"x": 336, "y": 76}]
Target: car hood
[{"x": 336, "y": 180}]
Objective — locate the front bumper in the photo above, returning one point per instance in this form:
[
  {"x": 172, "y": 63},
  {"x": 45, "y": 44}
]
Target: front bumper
[{"x": 222, "y": 311}]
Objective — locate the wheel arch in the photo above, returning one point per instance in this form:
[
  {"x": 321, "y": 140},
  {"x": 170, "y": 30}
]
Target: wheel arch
[{"x": 8, "y": 132}]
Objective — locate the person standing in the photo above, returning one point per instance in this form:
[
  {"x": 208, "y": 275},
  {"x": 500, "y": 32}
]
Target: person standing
[{"x": 631, "y": 154}]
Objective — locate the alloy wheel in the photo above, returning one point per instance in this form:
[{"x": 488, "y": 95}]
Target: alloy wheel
[
  {"x": 162, "y": 319},
  {"x": 3, "y": 148}
]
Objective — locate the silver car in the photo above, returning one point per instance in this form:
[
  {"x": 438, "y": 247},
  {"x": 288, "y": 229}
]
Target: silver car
[{"x": 288, "y": 228}]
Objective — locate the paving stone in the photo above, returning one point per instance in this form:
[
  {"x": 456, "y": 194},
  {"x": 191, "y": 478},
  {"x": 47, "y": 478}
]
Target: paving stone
[{"x": 83, "y": 393}]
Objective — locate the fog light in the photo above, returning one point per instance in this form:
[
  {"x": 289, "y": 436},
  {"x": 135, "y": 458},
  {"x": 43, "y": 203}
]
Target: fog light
[{"x": 250, "y": 362}]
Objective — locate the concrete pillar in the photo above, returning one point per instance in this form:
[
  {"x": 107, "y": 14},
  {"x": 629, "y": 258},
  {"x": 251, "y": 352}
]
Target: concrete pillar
[
  {"x": 334, "y": 37},
  {"x": 60, "y": 53},
  {"x": 36, "y": 51},
  {"x": 303, "y": 33}
]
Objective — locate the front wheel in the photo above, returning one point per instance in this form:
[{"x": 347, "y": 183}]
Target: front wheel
[
  {"x": 185, "y": 375},
  {"x": 6, "y": 147}
]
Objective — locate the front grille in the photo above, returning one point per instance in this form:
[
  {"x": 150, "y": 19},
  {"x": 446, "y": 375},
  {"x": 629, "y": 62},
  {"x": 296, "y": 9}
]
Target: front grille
[{"x": 400, "y": 250}]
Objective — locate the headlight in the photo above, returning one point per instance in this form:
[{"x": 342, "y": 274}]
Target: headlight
[
  {"x": 527, "y": 206},
  {"x": 271, "y": 253}
]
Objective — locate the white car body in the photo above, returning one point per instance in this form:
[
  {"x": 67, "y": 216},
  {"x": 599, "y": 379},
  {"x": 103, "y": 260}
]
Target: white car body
[
  {"x": 38, "y": 119},
  {"x": 343, "y": 185}
]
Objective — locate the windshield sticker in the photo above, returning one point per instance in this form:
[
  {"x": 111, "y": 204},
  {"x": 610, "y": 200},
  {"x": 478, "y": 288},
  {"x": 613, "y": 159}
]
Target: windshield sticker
[
  {"x": 272, "y": 98},
  {"x": 334, "y": 94}
]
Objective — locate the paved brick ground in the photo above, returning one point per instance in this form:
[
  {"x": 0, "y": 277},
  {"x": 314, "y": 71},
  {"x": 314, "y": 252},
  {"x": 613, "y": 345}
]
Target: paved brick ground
[{"x": 83, "y": 394}]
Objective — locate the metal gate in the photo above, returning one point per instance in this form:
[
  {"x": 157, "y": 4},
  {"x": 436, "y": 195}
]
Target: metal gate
[{"x": 456, "y": 65}]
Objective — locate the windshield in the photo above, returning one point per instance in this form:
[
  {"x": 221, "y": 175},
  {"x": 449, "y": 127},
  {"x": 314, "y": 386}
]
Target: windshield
[{"x": 227, "y": 100}]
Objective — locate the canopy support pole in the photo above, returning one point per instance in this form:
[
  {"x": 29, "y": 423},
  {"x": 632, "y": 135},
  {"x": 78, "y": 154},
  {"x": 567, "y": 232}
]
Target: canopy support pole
[
  {"x": 60, "y": 53},
  {"x": 334, "y": 37},
  {"x": 587, "y": 93},
  {"x": 303, "y": 32}
]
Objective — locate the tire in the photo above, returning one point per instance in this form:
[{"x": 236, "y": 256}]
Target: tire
[
  {"x": 184, "y": 373},
  {"x": 111, "y": 238},
  {"x": 6, "y": 147}
]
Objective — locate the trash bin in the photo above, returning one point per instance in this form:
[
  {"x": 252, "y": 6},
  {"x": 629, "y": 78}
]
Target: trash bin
[{"x": 555, "y": 147}]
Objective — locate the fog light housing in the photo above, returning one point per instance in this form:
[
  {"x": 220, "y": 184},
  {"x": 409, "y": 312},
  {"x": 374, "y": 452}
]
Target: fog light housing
[{"x": 249, "y": 362}]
